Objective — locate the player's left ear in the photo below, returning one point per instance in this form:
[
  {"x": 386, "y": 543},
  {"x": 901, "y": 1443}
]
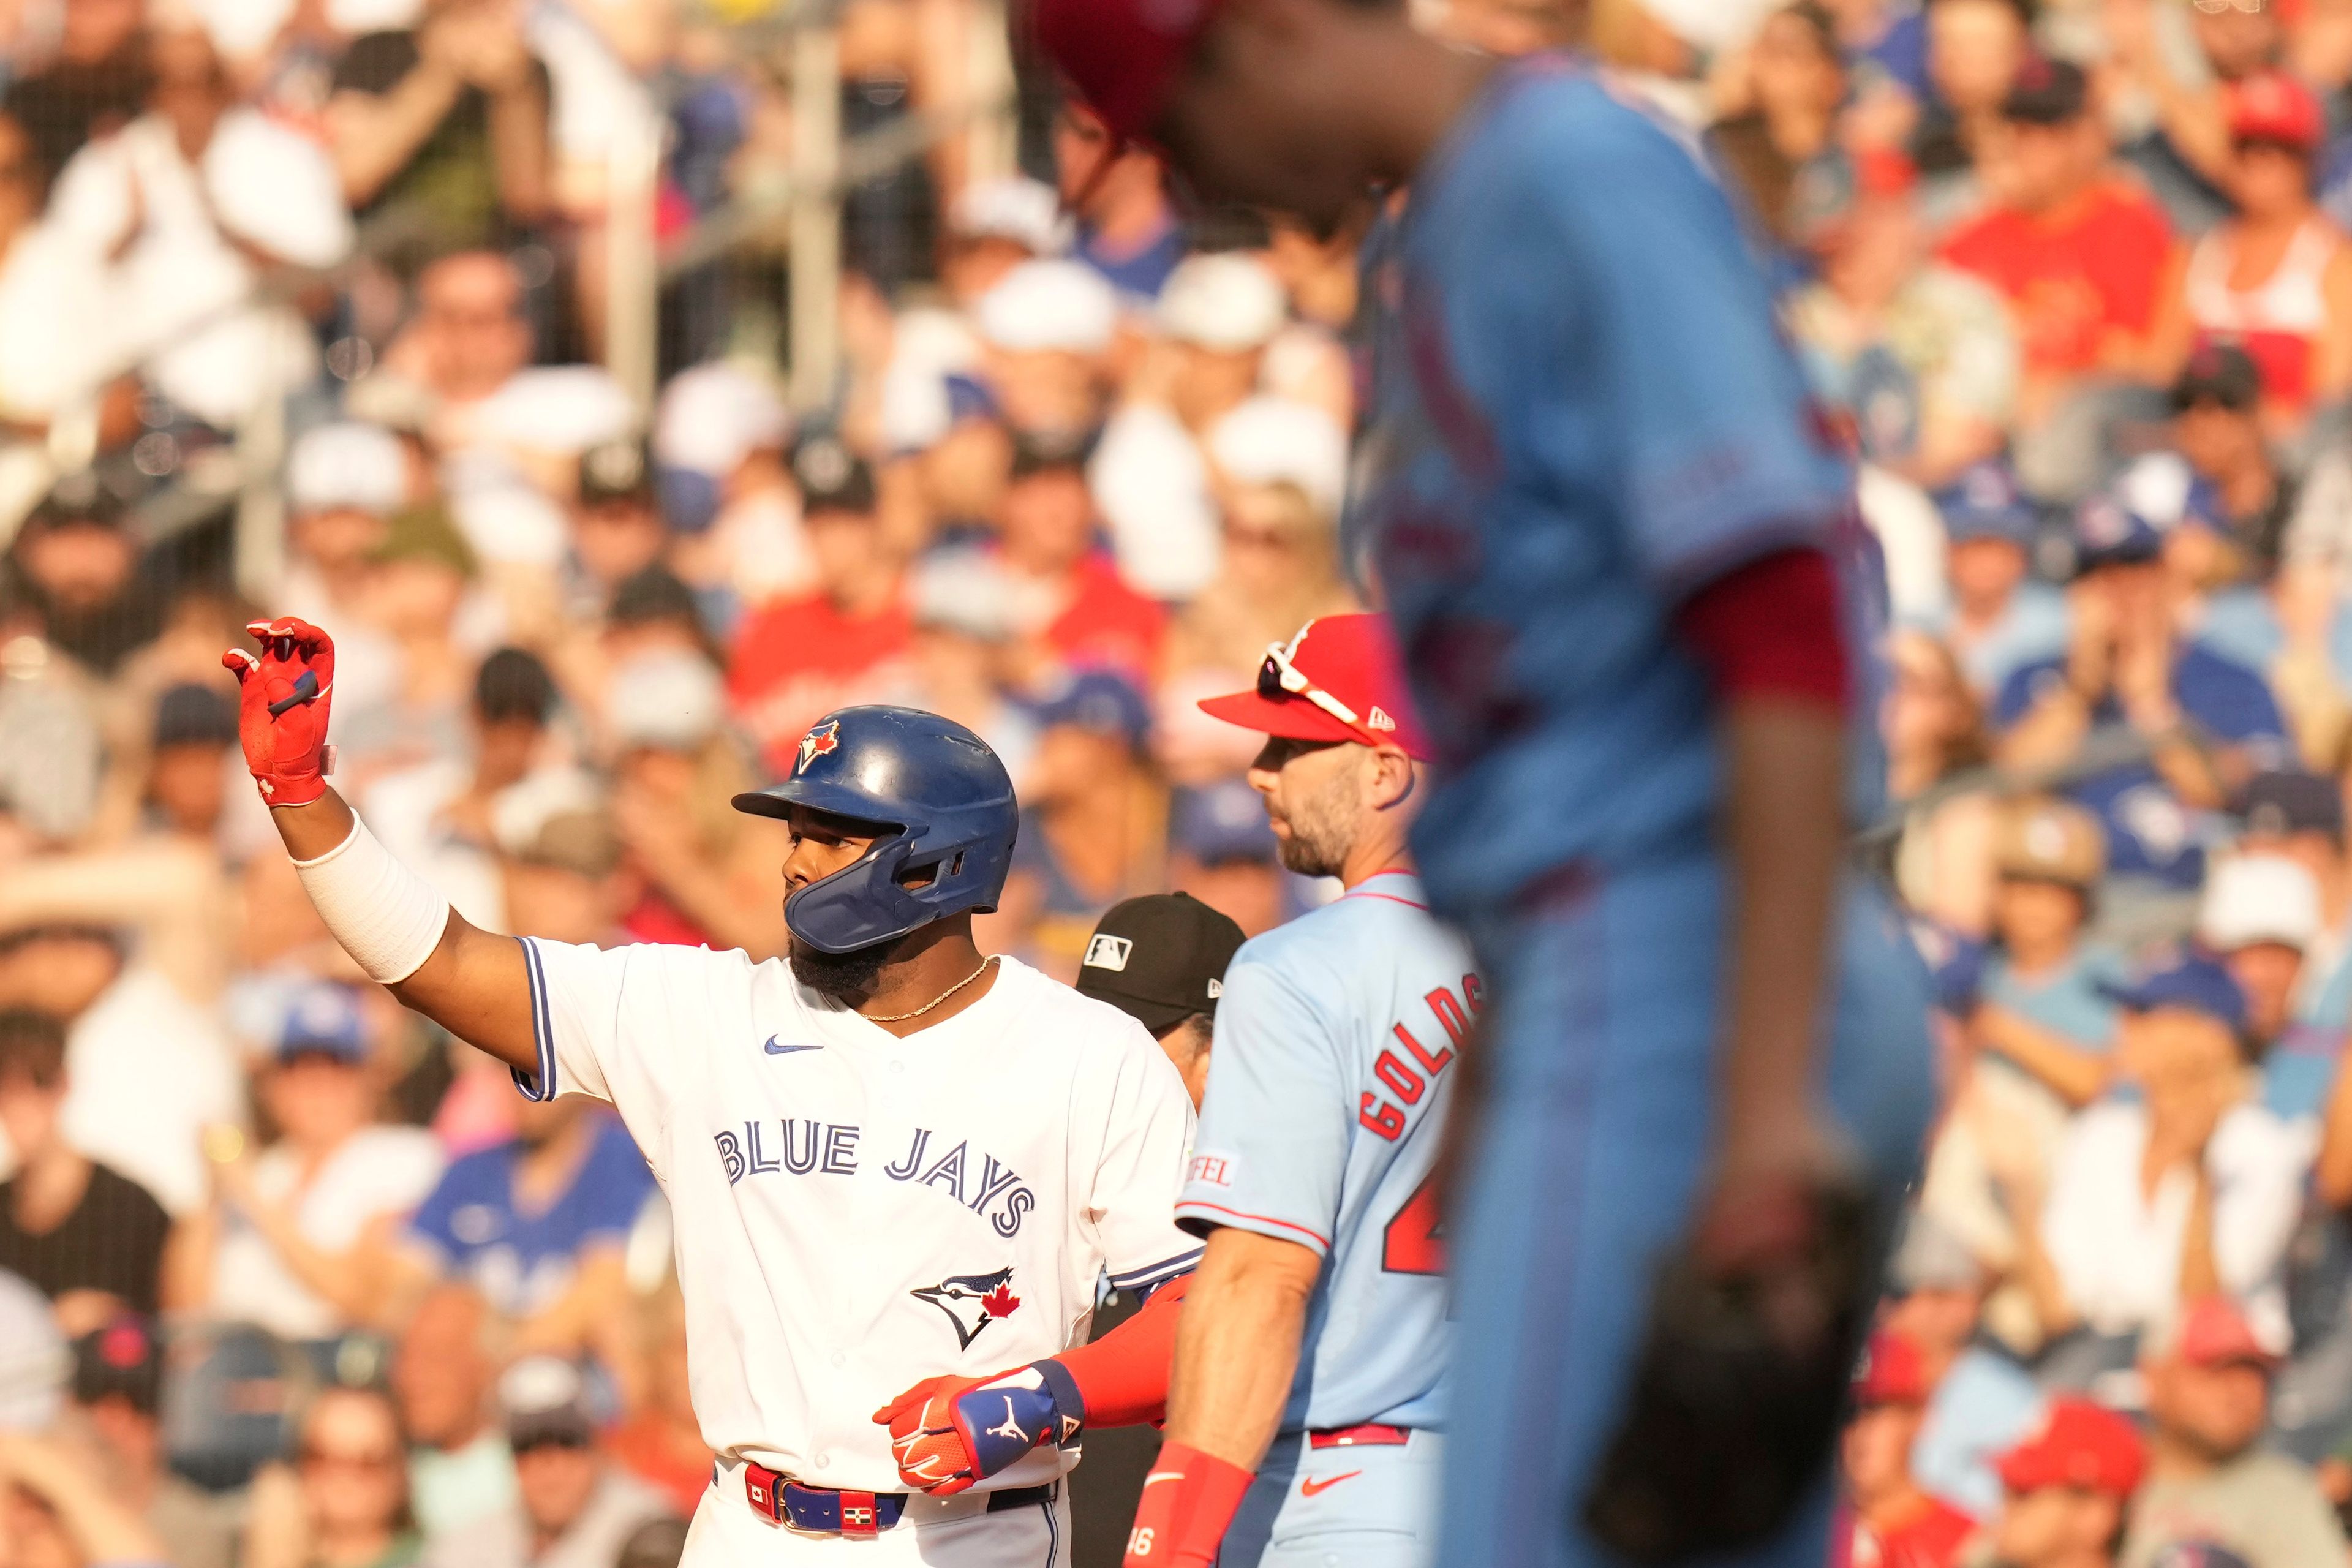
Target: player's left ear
[{"x": 1391, "y": 777}]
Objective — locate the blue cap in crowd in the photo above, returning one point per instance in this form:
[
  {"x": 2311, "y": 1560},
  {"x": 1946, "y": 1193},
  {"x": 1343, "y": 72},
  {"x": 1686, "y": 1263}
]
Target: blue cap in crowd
[
  {"x": 969, "y": 397},
  {"x": 1222, "y": 823},
  {"x": 2196, "y": 1554},
  {"x": 2184, "y": 980},
  {"x": 2284, "y": 803},
  {"x": 195, "y": 715},
  {"x": 2109, "y": 533},
  {"x": 323, "y": 1020},
  {"x": 1102, "y": 702},
  {"x": 1985, "y": 502}
]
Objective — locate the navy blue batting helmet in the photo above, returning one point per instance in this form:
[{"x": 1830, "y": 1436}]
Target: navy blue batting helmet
[{"x": 943, "y": 795}]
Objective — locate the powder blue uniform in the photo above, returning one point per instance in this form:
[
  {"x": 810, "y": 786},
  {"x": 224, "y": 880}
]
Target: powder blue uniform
[
  {"x": 1583, "y": 412},
  {"x": 1333, "y": 1064}
]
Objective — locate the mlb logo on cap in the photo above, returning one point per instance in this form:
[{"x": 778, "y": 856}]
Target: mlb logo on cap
[{"x": 1107, "y": 952}]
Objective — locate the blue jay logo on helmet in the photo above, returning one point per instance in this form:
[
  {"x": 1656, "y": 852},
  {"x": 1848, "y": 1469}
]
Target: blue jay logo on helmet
[
  {"x": 817, "y": 742},
  {"x": 938, "y": 802}
]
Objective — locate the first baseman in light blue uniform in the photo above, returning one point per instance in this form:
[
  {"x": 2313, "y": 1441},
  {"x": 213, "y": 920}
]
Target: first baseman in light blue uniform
[
  {"x": 1328, "y": 1091},
  {"x": 1329, "y": 1078}
]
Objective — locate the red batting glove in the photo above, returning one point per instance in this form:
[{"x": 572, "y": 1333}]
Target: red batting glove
[
  {"x": 286, "y": 751},
  {"x": 1189, "y": 1499},
  {"x": 931, "y": 1453}
]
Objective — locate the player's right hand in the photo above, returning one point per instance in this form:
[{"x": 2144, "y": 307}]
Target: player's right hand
[
  {"x": 282, "y": 700},
  {"x": 948, "y": 1433}
]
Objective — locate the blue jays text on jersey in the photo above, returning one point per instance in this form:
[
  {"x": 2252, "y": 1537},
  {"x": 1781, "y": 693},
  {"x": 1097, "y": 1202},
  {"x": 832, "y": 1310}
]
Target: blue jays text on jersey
[{"x": 797, "y": 1146}]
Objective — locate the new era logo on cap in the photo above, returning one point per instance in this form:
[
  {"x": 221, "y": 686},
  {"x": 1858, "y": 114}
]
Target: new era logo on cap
[
  {"x": 1107, "y": 952},
  {"x": 1217, "y": 988},
  {"x": 1378, "y": 719}
]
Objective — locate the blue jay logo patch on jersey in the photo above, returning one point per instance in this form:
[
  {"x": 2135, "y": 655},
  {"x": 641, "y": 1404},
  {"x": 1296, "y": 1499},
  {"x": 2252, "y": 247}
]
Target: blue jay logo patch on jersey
[
  {"x": 972, "y": 1301},
  {"x": 817, "y": 742}
]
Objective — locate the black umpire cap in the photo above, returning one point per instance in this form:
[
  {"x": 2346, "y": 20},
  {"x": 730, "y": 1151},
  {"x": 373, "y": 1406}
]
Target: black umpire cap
[{"x": 1160, "y": 959}]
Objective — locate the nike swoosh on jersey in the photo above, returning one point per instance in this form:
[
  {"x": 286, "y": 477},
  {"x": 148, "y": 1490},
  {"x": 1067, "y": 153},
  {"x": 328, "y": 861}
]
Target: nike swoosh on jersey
[
  {"x": 1310, "y": 1487},
  {"x": 775, "y": 1049}
]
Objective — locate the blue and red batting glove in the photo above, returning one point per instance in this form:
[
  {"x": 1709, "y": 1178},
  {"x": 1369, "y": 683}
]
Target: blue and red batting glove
[
  {"x": 948, "y": 1433},
  {"x": 283, "y": 696}
]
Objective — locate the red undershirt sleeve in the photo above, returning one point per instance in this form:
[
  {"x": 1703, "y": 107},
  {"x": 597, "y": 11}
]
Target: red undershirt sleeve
[
  {"x": 1123, "y": 1376},
  {"x": 1771, "y": 628}
]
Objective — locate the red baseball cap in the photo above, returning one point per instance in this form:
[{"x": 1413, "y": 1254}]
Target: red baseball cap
[
  {"x": 1122, "y": 56},
  {"x": 2272, "y": 106},
  {"x": 2079, "y": 1445},
  {"x": 1339, "y": 680},
  {"x": 2214, "y": 1331},
  {"x": 1893, "y": 1372}
]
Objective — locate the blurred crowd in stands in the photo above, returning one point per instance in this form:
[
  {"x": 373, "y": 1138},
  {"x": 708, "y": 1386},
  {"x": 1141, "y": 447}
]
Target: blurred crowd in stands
[{"x": 299, "y": 1280}]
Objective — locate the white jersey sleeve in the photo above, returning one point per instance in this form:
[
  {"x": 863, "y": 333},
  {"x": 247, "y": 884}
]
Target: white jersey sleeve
[
  {"x": 1131, "y": 1207},
  {"x": 610, "y": 1022},
  {"x": 1279, "y": 1090}
]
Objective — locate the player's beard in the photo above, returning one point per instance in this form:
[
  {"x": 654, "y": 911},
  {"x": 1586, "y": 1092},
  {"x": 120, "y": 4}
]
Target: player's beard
[
  {"x": 844, "y": 976},
  {"x": 1322, "y": 830}
]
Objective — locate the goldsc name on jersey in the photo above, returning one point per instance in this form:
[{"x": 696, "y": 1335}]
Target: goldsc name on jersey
[{"x": 792, "y": 1146}]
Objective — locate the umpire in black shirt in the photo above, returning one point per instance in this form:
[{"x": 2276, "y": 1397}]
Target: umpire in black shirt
[{"x": 1161, "y": 960}]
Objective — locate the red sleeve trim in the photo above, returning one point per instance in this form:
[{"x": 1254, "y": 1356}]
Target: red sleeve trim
[{"x": 1771, "y": 628}]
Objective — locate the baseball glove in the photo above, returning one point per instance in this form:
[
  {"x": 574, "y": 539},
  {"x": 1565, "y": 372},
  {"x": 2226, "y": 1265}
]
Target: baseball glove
[{"x": 1738, "y": 1394}]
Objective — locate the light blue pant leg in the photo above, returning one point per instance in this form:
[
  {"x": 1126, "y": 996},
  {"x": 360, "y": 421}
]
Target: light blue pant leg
[
  {"x": 1598, "y": 1119},
  {"x": 1371, "y": 1506}
]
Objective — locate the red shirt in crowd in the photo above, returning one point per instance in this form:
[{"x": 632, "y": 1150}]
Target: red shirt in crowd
[
  {"x": 1107, "y": 623},
  {"x": 2072, "y": 276},
  {"x": 651, "y": 1451},
  {"x": 797, "y": 659},
  {"x": 1929, "y": 1538}
]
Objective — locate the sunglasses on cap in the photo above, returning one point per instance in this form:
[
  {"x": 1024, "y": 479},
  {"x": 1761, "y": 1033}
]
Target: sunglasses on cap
[{"x": 1278, "y": 677}]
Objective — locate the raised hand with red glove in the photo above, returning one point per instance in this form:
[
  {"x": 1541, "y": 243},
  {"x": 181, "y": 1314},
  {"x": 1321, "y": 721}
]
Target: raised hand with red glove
[{"x": 282, "y": 701}]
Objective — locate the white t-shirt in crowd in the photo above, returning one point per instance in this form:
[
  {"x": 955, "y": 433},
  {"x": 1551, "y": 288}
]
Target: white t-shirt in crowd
[
  {"x": 2118, "y": 1252},
  {"x": 404, "y": 811},
  {"x": 165, "y": 233},
  {"x": 55, "y": 343},
  {"x": 377, "y": 1171},
  {"x": 148, "y": 1070}
]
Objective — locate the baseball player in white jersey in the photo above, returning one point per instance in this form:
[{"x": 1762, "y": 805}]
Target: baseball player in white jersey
[
  {"x": 1309, "y": 1391},
  {"x": 888, "y": 1157}
]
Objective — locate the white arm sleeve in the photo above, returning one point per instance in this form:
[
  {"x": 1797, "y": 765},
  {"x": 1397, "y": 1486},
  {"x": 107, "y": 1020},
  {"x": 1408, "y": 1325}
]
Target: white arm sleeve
[{"x": 387, "y": 917}]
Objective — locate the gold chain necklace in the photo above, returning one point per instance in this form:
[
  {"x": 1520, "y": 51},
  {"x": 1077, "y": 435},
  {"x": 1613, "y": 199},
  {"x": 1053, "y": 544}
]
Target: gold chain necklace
[{"x": 902, "y": 1017}]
